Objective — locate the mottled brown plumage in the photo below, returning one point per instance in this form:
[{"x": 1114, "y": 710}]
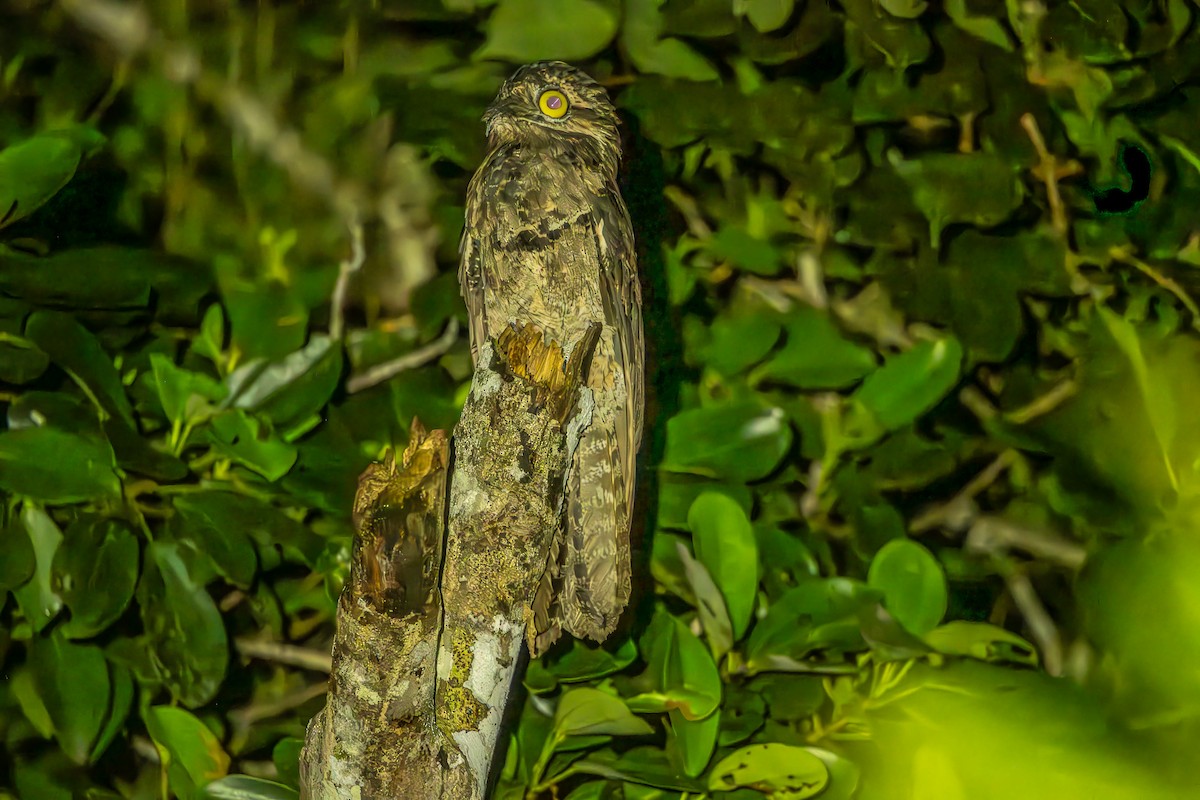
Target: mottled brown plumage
[{"x": 548, "y": 241}]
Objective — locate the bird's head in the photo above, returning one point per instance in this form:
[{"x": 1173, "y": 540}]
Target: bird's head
[{"x": 551, "y": 101}]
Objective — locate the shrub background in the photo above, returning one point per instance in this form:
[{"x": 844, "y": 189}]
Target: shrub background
[{"x": 921, "y": 380}]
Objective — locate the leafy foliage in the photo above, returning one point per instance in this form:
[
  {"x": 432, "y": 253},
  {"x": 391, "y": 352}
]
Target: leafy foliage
[{"x": 920, "y": 439}]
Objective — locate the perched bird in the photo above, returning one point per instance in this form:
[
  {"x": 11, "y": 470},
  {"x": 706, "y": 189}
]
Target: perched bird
[{"x": 548, "y": 241}]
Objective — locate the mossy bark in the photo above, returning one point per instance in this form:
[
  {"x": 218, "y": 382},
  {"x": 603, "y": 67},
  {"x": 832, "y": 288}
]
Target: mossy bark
[{"x": 426, "y": 651}]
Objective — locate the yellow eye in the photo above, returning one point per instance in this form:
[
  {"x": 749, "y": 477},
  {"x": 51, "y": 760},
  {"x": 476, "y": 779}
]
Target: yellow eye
[{"x": 553, "y": 103}]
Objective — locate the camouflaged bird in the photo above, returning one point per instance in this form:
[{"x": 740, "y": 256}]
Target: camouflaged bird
[{"x": 548, "y": 241}]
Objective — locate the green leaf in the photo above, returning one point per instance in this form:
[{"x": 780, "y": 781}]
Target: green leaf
[
  {"x": 784, "y": 559},
  {"x": 67, "y": 279},
  {"x": 96, "y": 568},
  {"x": 583, "y": 662},
  {"x": 725, "y": 544},
  {"x": 26, "y": 693},
  {"x": 55, "y": 467},
  {"x": 843, "y": 775},
  {"x": 72, "y": 681},
  {"x": 904, "y": 9},
  {"x": 184, "y": 627},
  {"x": 789, "y": 697},
  {"x": 21, "y": 361},
  {"x": 714, "y": 616},
  {"x": 764, "y": 15},
  {"x": 267, "y": 319},
  {"x": 585, "y": 711},
  {"x": 816, "y": 355},
  {"x": 737, "y": 441},
  {"x": 535, "y": 30},
  {"x": 975, "y": 188},
  {"x": 219, "y": 532},
  {"x": 668, "y": 568},
  {"x": 676, "y": 493},
  {"x": 33, "y": 171},
  {"x": 193, "y": 755},
  {"x": 250, "y": 442},
  {"x": 751, "y": 253},
  {"x": 909, "y": 384},
  {"x": 186, "y": 396},
  {"x": 913, "y": 584},
  {"x": 981, "y": 641},
  {"x": 218, "y": 523},
  {"x": 647, "y": 766},
  {"x": 17, "y": 560},
  {"x": 982, "y": 26},
  {"x": 1161, "y": 407},
  {"x": 74, "y": 348},
  {"x": 819, "y": 614},
  {"x": 118, "y": 711},
  {"x": 286, "y": 756},
  {"x": 289, "y": 390},
  {"x": 681, "y": 673},
  {"x": 692, "y": 742},
  {"x": 742, "y": 714},
  {"x": 737, "y": 341},
  {"x": 779, "y": 770},
  {"x": 39, "y": 598},
  {"x": 244, "y": 787},
  {"x": 651, "y": 52}
]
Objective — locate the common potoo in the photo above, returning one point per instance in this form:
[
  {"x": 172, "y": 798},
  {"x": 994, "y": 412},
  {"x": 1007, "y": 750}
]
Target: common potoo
[{"x": 548, "y": 241}]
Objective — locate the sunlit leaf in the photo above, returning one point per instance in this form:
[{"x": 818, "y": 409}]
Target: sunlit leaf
[
  {"x": 532, "y": 30},
  {"x": 193, "y": 754},
  {"x": 913, "y": 584},
  {"x": 73, "y": 683},
  {"x": 739, "y": 441},
  {"x": 777, "y": 769},
  {"x": 725, "y": 544}
]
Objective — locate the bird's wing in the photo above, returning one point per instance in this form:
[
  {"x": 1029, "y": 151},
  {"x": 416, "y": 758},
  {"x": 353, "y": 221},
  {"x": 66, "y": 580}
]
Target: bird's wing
[
  {"x": 595, "y": 569},
  {"x": 470, "y": 268},
  {"x": 622, "y": 296}
]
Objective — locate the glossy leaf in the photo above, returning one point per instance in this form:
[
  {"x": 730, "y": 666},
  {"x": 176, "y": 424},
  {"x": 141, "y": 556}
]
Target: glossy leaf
[
  {"x": 186, "y": 634},
  {"x": 54, "y": 466},
  {"x": 532, "y": 30},
  {"x": 248, "y": 441},
  {"x": 245, "y": 787},
  {"x": 34, "y": 170},
  {"x": 725, "y": 544},
  {"x": 714, "y": 615},
  {"x": 778, "y": 769},
  {"x": 96, "y": 567},
  {"x": 816, "y": 355},
  {"x": 982, "y": 641},
  {"x": 193, "y": 755},
  {"x": 21, "y": 361},
  {"x": 909, "y": 384},
  {"x": 913, "y": 584},
  {"x": 583, "y": 662},
  {"x": 587, "y": 712},
  {"x": 75, "y": 349},
  {"x": 692, "y": 741},
  {"x": 681, "y": 673},
  {"x": 39, "y": 599},
  {"x": 738, "y": 441},
  {"x": 72, "y": 681}
]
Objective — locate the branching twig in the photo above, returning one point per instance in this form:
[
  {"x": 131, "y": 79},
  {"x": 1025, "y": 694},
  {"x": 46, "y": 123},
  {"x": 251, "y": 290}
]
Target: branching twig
[
  {"x": 1050, "y": 171},
  {"x": 349, "y": 266},
  {"x": 285, "y": 654},
  {"x": 417, "y": 358},
  {"x": 959, "y": 512}
]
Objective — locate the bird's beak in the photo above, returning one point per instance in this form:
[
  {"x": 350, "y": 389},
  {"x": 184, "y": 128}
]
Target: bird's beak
[{"x": 497, "y": 114}]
